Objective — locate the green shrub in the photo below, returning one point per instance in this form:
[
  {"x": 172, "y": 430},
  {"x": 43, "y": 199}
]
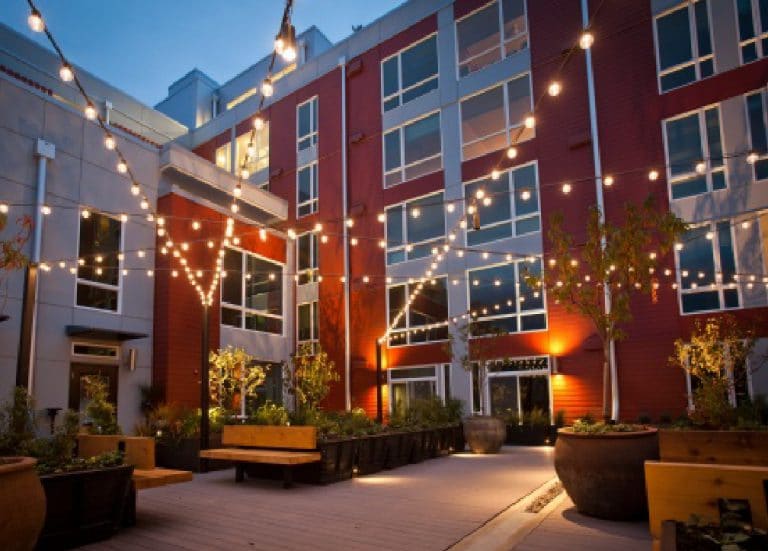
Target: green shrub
[
  {"x": 270, "y": 413},
  {"x": 16, "y": 422},
  {"x": 600, "y": 428},
  {"x": 99, "y": 409}
]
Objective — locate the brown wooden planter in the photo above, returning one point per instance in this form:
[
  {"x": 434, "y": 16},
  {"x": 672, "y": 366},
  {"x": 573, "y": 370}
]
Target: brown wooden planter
[
  {"x": 604, "y": 473},
  {"x": 416, "y": 439},
  {"x": 84, "y": 506},
  {"x": 729, "y": 447},
  {"x": 371, "y": 454},
  {"x": 184, "y": 454},
  {"x": 139, "y": 450},
  {"x": 22, "y": 503},
  {"x": 398, "y": 450}
]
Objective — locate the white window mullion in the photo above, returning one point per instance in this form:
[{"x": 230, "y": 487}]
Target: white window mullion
[
  {"x": 694, "y": 38},
  {"x": 242, "y": 290}
]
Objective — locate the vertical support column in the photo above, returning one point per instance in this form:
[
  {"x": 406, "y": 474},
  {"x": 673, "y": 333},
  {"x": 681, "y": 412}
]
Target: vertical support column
[
  {"x": 204, "y": 390},
  {"x": 379, "y": 398},
  {"x": 344, "y": 213}
]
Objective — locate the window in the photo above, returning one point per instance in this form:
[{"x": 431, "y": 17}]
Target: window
[
  {"x": 306, "y": 124},
  {"x": 707, "y": 269},
  {"x": 694, "y": 153},
  {"x": 409, "y": 74},
  {"x": 306, "y": 189},
  {"x": 100, "y": 250},
  {"x": 757, "y": 131},
  {"x": 307, "y": 330},
  {"x": 518, "y": 386},
  {"x": 408, "y": 384},
  {"x": 306, "y": 258},
  {"x": 763, "y": 225},
  {"x": 412, "y": 150},
  {"x": 501, "y": 302},
  {"x": 490, "y": 34},
  {"x": 684, "y": 45},
  {"x": 752, "y": 16},
  {"x": 413, "y": 228},
  {"x": 252, "y": 292},
  {"x": 493, "y": 119},
  {"x": 224, "y": 157},
  {"x": 425, "y": 319},
  {"x": 257, "y": 150},
  {"x": 513, "y": 208}
]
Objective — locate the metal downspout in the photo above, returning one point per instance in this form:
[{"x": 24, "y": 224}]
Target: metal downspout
[
  {"x": 599, "y": 198},
  {"x": 345, "y": 210}
]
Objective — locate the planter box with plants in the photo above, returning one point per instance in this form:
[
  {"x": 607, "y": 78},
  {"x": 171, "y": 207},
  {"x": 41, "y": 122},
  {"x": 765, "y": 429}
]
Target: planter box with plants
[{"x": 534, "y": 429}]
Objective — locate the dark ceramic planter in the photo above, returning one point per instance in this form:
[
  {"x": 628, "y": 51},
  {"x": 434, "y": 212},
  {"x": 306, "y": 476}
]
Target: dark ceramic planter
[
  {"x": 484, "y": 433},
  {"x": 84, "y": 506},
  {"x": 604, "y": 473}
]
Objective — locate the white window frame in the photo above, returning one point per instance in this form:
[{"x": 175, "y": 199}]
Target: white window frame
[
  {"x": 696, "y": 60},
  {"x": 503, "y": 39},
  {"x": 438, "y": 379},
  {"x": 762, "y": 155},
  {"x": 403, "y": 167},
  {"x": 757, "y": 39},
  {"x": 519, "y": 314},
  {"x": 244, "y": 309},
  {"x": 680, "y": 178},
  {"x": 314, "y": 116},
  {"x": 113, "y": 359},
  {"x": 507, "y": 128},
  {"x": 718, "y": 286},
  {"x": 406, "y": 313},
  {"x": 400, "y": 90},
  {"x": 517, "y": 375},
  {"x": 512, "y": 198},
  {"x": 314, "y": 263},
  {"x": 314, "y": 330},
  {"x": 314, "y": 189},
  {"x": 120, "y": 256},
  {"x": 407, "y": 246}
]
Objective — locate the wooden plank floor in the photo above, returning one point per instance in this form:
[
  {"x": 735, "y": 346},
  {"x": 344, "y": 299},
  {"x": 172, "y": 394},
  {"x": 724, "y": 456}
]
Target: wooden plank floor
[
  {"x": 564, "y": 529},
  {"x": 426, "y": 506}
]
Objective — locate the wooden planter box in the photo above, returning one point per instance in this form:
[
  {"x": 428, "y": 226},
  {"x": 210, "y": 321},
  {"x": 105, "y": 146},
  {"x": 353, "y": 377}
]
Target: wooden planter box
[
  {"x": 184, "y": 454},
  {"x": 371, "y": 454},
  {"x": 417, "y": 446},
  {"x": 398, "y": 450},
  {"x": 526, "y": 435},
  {"x": 336, "y": 463},
  {"x": 139, "y": 450},
  {"x": 728, "y": 447},
  {"x": 84, "y": 506}
]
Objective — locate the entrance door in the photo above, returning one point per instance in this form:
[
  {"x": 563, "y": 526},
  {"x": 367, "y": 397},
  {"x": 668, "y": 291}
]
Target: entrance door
[{"x": 80, "y": 373}]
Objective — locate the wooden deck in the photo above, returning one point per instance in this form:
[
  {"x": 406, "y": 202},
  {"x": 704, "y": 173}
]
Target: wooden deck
[{"x": 426, "y": 506}]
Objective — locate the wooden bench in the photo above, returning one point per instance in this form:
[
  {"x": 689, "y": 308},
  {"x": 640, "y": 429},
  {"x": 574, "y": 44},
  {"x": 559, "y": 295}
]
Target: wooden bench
[{"x": 287, "y": 447}]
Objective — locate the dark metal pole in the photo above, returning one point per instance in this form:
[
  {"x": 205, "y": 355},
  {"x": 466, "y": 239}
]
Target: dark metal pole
[
  {"x": 204, "y": 390},
  {"x": 27, "y": 326},
  {"x": 379, "y": 404}
]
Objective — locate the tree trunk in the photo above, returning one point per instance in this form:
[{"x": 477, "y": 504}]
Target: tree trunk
[{"x": 606, "y": 380}]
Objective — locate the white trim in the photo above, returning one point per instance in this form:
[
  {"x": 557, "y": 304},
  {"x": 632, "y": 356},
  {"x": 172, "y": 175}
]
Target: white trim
[
  {"x": 547, "y": 372},
  {"x": 314, "y": 189},
  {"x": 312, "y": 136},
  {"x": 400, "y": 90}
]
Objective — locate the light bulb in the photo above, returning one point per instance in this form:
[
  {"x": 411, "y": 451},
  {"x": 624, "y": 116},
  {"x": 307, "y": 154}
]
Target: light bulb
[
  {"x": 250, "y": 150},
  {"x": 3, "y": 208},
  {"x": 554, "y": 89},
  {"x": 586, "y": 40},
  {"x": 653, "y": 175},
  {"x": 701, "y": 167},
  {"x": 245, "y": 173},
  {"x": 86, "y": 214},
  {"x": 234, "y": 207},
  {"x": 349, "y": 222},
  {"x": 279, "y": 44},
  {"x": 144, "y": 204},
  {"x": 266, "y": 87},
  {"x": 567, "y": 188},
  {"x": 289, "y": 54},
  {"x": 480, "y": 194},
  {"x": 352, "y": 241},
  {"x": 90, "y": 111},
  {"x": 511, "y": 152},
  {"x": 122, "y": 167},
  {"x": 195, "y": 225},
  {"x": 135, "y": 189},
  {"x": 608, "y": 181},
  {"x": 495, "y": 174},
  {"x": 291, "y": 233},
  {"x": 381, "y": 217},
  {"x": 46, "y": 210},
  {"x": 450, "y": 207},
  {"x": 752, "y": 157},
  {"x": 525, "y": 195},
  {"x": 318, "y": 227},
  {"x": 530, "y": 121},
  {"x": 487, "y": 202},
  {"x": 210, "y": 244},
  {"x": 263, "y": 234},
  {"x": 258, "y": 122},
  {"x": 66, "y": 73},
  {"x": 35, "y": 21}
]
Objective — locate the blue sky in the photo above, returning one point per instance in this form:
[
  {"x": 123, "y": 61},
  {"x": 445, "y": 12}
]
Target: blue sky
[{"x": 142, "y": 46}]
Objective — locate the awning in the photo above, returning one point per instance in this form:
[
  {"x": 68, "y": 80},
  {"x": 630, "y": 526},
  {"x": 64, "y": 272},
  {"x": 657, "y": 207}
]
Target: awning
[
  {"x": 97, "y": 333},
  {"x": 3, "y": 318}
]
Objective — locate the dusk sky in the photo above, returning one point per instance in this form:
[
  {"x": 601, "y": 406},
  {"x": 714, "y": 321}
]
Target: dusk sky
[{"x": 142, "y": 46}]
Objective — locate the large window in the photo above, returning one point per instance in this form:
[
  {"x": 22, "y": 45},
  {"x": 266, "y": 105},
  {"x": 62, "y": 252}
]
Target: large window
[
  {"x": 756, "y": 115},
  {"x": 518, "y": 387},
  {"x": 694, "y": 153},
  {"x": 413, "y": 228},
  {"x": 99, "y": 254},
  {"x": 490, "y": 34},
  {"x": 409, "y": 73},
  {"x": 252, "y": 292},
  {"x": 424, "y": 319},
  {"x": 224, "y": 156},
  {"x": 306, "y": 258},
  {"x": 684, "y": 45},
  {"x": 493, "y": 119},
  {"x": 752, "y": 16},
  {"x": 306, "y": 189},
  {"x": 256, "y": 150},
  {"x": 501, "y": 302},
  {"x": 707, "y": 268},
  {"x": 409, "y": 384},
  {"x": 412, "y": 150},
  {"x": 513, "y": 205},
  {"x": 307, "y": 326},
  {"x": 306, "y": 124}
]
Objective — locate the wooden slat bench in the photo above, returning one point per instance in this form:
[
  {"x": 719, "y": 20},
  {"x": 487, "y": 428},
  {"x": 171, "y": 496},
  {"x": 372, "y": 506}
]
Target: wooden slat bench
[{"x": 287, "y": 447}]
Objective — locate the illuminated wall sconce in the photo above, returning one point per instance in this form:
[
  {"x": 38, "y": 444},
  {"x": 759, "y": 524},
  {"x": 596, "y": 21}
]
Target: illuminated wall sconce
[
  {"x": 130, "y": 359},
  {"x": 555, "y": 365}
]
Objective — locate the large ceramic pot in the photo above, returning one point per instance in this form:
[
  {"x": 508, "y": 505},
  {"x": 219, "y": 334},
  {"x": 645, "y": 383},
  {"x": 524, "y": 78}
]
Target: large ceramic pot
[
  {"x": 484, "y": 434},
  {"x": 604, "y": 473},
  {"x": 22, "y": 503}
]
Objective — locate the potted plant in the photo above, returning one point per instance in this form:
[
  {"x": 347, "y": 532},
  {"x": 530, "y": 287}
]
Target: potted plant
[{"x": 601, "y": 466}]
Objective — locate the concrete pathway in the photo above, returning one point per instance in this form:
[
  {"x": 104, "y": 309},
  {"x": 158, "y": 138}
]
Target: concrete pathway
[{"x": 431, "y": 505}]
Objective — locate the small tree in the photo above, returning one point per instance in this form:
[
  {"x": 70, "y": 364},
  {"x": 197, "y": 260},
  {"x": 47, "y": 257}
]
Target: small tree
[
  {"x": 311, "y": 376},
  {"x": 716, "y": 348},
  {"x": 11, "y": 256},
  {"x": 233, "y": 371},
  {"x": 100, "y": 410},
  {"x": 617, "y": 261}
]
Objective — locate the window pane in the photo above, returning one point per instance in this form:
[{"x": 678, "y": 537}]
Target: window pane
[
  {"x": 412, "y": 373},
  {"x": 684, "y": 144},
  {"x": 513, "y": 12},
  {"x": 304, "y": 251},
  {"x": 392, "y": 150},
  {"x": 305, "y": 184},
  {"x": 483, "y": 115},
  {"x": 679, "y": 77},
  {"x": 519, "y": 91},
  {"x": 231, "y": 286},
  {"x": 430, "y": 305},
  {"x": 727, "y": 255},
  {"x": 419, "y": 62},
  {"x": 479, "y": 33},
  {"x": 712, "y": 119},
  {"x": 530, "y": 298},
  {"x": 223, "y": 158},
  {"x": 498, "y": 191},
  {"x": 395, "y": 226},
  {"x": 389, "y": 74},
  {"x": 503, "y": 393},
  {"x": 430, "y": 222},
  {"x": 305, "y": 328},
  {"x": 231, "y": 317},
  {"x": 674, "y": 35},
  {"x": 485, "y": 235},
  {"x": 526, "y": 190},
  {"x": 493, "y": 289},
  {"x": 698, "y": 302},
  {"x": 534, "y": 393},
  {"x": 96, "y": 297},
  {"x": 304, "y": 119},
  {"x": 744, "y": 14},
  {"x": 396, "y": 303},
  {"x": 263, "y": 292},
  {"x": 265, "y": 324},
  {"x": 99, "y": 240},
  {"x": 422, "y": 138},
  {"x": 702, "y": 28},
  {"x": 697, "y": 262},
  {"x": 757, "y": 122},
  {"x": 762, "y": 8}
]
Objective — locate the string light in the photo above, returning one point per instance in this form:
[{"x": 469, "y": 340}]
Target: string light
[
  {"x": 90, "y": 111},
  {"x": 263, "y": 234},
  {"x": 586, "y": 40},
  {"x": 554, "y": 89},
  {"x": 46, "y": 210},
  {"x": 529, "y": 121},
  {"x": 135, "y": 189},
  {"x": 566, "y": 188},
  {"x": 511, "y": 152},
  {"x": 608, "y": 181},
  {"x": 258, "y": 122},
  {"x": 35, "y": 21},
  {"x": 3, "y": 208},
  {"x": 752, "y": 157},
  {"x": 65, "y": 72},
  {"x": 266, "y": 88},
  {"x": 653, "y": 175},
  {"x": 122, "y": 167}
]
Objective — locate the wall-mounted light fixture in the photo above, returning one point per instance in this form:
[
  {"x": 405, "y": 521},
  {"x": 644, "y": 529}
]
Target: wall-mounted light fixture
[{"x": 130, "y": 359}]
